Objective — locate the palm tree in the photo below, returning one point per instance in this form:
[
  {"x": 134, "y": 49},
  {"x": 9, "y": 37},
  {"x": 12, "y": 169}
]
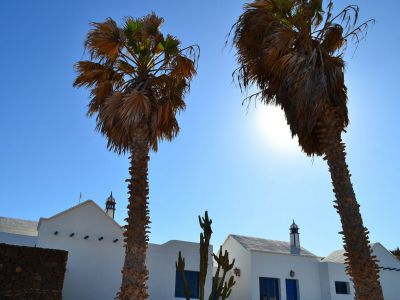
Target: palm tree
[
  {"x": 138, "y": 79},
  {"x": 396, "y": 252},
  {"x": 292, "y": 50}
]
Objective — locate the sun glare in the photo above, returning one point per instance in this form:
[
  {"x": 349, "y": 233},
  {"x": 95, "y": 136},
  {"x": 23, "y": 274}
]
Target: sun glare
[{"x": 273, "y": 129}]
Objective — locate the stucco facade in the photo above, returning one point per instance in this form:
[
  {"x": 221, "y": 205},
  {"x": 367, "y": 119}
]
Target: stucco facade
[
  {"x": 390, "y": 279},
  {"x": 256, "y": 264},
  {"x": 94, "y": 243},
  {"x": 334, "y": 269},
  {"x": 306, "y": 272},
  {"x": 94, "y": 266},
  {"x": 315, "y": 277}
]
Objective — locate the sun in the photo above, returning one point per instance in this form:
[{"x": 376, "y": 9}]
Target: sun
[{"x": 273, "y": 129}]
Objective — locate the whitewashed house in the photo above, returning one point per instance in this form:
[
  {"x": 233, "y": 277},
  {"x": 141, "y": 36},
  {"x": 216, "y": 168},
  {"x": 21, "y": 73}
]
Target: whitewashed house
[
  {"x": 333, "y": 269},
  {"x": 264, "y": 269},
  {"x": 94, "y": 243},
  {"x": 278, "y": 270},
  {"x": 18, "y": 232}
]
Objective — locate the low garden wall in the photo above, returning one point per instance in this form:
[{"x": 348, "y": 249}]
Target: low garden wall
[{"x": 31, "y": 273}]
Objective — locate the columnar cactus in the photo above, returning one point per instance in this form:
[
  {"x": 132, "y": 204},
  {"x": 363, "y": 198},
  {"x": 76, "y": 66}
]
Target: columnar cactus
[
  {"x": 221, "y": 290},
  {"x": 205, "y": 223},
  {"x": 180, "y": 267}
]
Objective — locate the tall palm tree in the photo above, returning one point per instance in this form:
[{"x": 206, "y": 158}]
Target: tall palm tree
[
  {"x": 138, "y": 79},
  {"x": 292, "y": 50}
]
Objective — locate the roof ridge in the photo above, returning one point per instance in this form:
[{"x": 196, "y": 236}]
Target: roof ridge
[
  {"x": 89, "y": 201},
  {"x": 253, "y": 237},
  {"x": 18, "y": 219},
  {"x": 18, "y": 226},
  {"x": 272, "y": 240},
  {"x": 268, "y": 245}
]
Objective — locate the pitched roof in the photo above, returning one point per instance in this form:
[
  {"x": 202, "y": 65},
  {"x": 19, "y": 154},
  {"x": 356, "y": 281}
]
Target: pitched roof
[
  {"x": 18, "y": 226},
  {"x": 337, "y": 256},
  {"x": 87, "y": 202},
  {"x": 270, "y": 246}
]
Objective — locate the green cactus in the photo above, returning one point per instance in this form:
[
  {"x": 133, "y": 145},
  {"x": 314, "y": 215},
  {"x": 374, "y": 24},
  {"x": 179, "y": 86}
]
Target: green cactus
[
  {"x": 227, "y": 289},
  {"x": 221, "y": 289},
  {"x": 180, "y": 267},
  {"x": 205, "y": 224}
]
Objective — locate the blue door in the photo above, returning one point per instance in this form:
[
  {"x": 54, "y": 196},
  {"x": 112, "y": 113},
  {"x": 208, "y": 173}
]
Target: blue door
[
  {"x": 292, "y": 290},
  {"x": 269, "y": 288}
]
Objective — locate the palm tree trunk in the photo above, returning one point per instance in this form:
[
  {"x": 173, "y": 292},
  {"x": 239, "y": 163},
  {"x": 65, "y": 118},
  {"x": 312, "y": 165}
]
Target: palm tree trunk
[
  {"x": 362, "y": 266},
  {"x": 135, "y": 273}
]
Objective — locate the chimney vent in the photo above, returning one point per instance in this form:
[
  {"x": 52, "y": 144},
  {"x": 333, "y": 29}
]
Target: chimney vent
[
  {"x": 294, "y": 239},
  {"x": 110, "y": 206}
]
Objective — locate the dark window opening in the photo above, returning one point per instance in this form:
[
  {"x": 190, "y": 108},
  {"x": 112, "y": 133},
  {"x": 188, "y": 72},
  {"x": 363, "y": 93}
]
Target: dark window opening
[
  {"x": 342, "y": 287},
  {"x": 192, "y": 278},
  {"x": 269, "y": 288}
]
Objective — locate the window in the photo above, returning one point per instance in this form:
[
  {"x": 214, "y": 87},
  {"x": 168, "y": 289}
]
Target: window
[
  {"x": 342, "y": 287},
  {"x": 269, "y": 288},
  {"x": 192, "y": 278}
]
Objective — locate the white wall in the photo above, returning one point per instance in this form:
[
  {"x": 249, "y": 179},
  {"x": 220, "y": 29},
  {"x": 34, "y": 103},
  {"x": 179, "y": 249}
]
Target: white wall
[
  {"x": 337, "y": 272},
  {"x": 279, "y": 266},
  {"x": 161, "y": 263},
  {"x": 242, "y": 288},
  {"x": 390, "y": 279},
  {"x": 324, "y": 279},
  {"x": 17, "y": 239},
  {"x": 253, "y": 265},
  {"x": 94, "y": 267}
]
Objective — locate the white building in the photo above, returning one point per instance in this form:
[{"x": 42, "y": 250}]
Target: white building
[
  {"x": 277, "y": 270},
  {"x": 18, "y": 232},
  {"x": 264, "y": 269},
  {"x": 94, "y": 243}
]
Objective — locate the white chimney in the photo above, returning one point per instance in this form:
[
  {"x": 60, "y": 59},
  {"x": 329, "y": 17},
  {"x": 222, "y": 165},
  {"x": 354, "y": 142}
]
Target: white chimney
[
  {"x": 110, "y": 206},
  {"x": 294, "y": 239}
]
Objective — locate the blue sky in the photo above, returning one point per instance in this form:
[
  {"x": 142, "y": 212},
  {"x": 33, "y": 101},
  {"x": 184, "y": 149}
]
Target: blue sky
[{"x": 237, "y": 163}]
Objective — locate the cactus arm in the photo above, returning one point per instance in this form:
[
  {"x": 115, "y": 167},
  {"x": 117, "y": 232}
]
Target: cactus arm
[{"x": 180, "y": 267}]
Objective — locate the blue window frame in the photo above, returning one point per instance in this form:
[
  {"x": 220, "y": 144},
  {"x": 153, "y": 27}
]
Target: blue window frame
[
  {"x": 192, "y": 278},
  {"x": 342, "y": 287},
  {"x": 292, "y": 289},
  {"x": 269, "y": 288}
]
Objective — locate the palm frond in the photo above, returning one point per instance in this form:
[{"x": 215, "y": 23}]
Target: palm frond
[
  {"x": 105, "y": 40},
  {"x": 292, "y": 51},
  {"x": 138, "y": 79}
]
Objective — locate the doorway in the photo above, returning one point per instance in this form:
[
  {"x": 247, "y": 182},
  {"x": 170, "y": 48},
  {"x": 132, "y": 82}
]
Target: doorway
[{"x": 292, "y": 289}]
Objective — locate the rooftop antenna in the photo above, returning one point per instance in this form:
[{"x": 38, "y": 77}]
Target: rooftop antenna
[{"x": 80, "y": 197}]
